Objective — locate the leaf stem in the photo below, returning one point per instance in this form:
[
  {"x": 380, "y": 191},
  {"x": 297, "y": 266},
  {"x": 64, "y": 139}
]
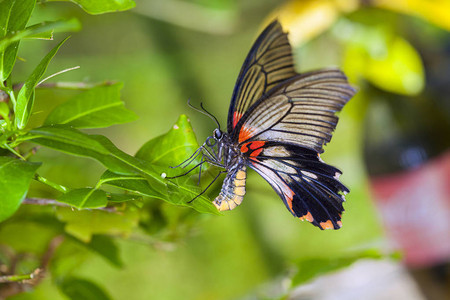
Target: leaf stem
[{"x": 56, "y": 186}]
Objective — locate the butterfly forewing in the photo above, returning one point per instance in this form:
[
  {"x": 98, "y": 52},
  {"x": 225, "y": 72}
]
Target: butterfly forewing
[
  {"x": 268, "y": 63},
  {"x": 299, "y": 112}
]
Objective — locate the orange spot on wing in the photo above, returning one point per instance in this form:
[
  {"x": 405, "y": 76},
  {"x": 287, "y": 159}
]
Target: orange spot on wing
[
  {"x": 236, "y": 117},
  {"x": 339, "y": 223},
  {"x": 307, "y": 217},
  {"x": 289, "y": 194},
  {"x": 327, "y": 225}
]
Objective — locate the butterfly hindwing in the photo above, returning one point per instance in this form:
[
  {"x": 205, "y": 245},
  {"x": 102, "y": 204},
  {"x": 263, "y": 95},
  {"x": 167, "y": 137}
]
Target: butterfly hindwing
[
  {"x": 268, "y": 63},
  {"x": 309, "y": 188}
]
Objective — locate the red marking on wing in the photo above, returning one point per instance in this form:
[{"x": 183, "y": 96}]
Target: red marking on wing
[
  {"x": 245, "y": 134},
  {"x": 236, "y": 117},
  {"x": 244, "y": 148},
  {"x": 256, "y": 152},
  {"x": 256, "y": 144}
]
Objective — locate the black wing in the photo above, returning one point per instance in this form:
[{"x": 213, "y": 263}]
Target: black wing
[{"x": 268, "y": 63}]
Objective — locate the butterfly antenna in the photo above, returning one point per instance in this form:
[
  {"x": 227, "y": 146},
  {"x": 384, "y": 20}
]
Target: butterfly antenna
[{"x": 204, "y": 111}]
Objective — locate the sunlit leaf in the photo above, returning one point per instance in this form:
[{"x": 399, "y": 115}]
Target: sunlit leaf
[
  {"x": 14, "y": 15},
  {"x": 85, "y": 223},
  {"x": 103, "y": 6},
  {"x": 76, "y": 288},
  {"x": 84, "y": 198},
  {"x": 25, "y": 99},
  {"x": 307, "y": 19},
  {"x": 381, "y": 57},
  {"x": 15, "y": 177},
  {"x": 98, "y": 107},
  {"x": 436, "y": 11}
]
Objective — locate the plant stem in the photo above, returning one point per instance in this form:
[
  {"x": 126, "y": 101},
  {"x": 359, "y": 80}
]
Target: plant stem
[
  {"x": 19, "y": 278},
  {"x": 56, "y": 186},
  {"x": 43, "y": 201}
]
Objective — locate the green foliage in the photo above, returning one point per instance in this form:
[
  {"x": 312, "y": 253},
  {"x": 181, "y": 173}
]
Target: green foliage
[
  {"x": 25, "y": 99},
  {"x": 15, "y": 178},
  {"x": 103, "y": 6},
  {"x": 95, "y": 108},
  {"x": 14, "y": 15},
  {"x": 111, "y": 206},
  {"x": 76, "y": 288},
  {"x": 312, "y": 267}
]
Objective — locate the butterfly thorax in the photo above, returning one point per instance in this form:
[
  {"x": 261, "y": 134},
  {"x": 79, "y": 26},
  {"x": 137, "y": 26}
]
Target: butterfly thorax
[{"x": 233, "y": 187}]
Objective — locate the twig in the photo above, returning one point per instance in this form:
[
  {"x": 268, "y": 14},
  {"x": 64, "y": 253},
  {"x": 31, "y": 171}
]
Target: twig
[{"x": 72, "y": 85}]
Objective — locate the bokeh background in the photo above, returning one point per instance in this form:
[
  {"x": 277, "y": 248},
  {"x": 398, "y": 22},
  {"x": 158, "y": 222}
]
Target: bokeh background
[{"x": 396, "y": 53}]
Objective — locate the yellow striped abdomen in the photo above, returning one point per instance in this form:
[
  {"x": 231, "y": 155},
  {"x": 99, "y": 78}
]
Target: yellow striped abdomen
[{"x": 233, "y": 190}]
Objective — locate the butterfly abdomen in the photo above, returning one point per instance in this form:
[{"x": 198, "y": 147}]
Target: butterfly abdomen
[{"x": 233, "y": 189}]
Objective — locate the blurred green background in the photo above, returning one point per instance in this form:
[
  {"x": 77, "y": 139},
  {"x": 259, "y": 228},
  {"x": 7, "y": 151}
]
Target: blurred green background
[{"x": 168, "y": 51}]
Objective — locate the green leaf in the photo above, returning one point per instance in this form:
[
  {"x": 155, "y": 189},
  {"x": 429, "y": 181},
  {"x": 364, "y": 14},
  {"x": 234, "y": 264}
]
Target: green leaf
[
  {"x": 41, "y": 30},
  {"x": 76, "y": 288},
  {"x": 84, "y": 198},
  {"x": 173, "y": 147},
  {"x": 85, "y": 223},
  {"x": 15, "y": 177},
  {"x": 45, "y": 30},
  {"x": 107, "y": 248},
  {"x": 98, "y": 147},
  {"x": 311, "y": 268},
  {"x": 25, "y": 99},
  {"x": 103, "y": 6},
  {"x": 98, "y": 107},
  {"x": 132, "y": 183},
  {"x": 169, "y": 150},
  {"x": 118, "y": 198},
  {"x": 14, "y": 16}
]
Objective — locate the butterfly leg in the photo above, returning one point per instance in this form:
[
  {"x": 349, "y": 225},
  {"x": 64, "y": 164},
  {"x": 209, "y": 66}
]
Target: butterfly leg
[{"x": 209, "y": 185}]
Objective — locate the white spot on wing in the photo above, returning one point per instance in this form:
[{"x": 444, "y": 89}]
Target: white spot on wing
[
  {"x": 309, "y": 174},
  {"x": 163, "y": 175}
]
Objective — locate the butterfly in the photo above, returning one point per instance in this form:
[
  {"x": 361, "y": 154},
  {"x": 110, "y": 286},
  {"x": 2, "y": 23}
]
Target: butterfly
[{"x": 278, "y": 122}]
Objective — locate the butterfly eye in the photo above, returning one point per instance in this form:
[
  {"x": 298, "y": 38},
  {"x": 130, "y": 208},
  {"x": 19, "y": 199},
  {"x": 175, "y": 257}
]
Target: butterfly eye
[{"x": 217, "y": 134}]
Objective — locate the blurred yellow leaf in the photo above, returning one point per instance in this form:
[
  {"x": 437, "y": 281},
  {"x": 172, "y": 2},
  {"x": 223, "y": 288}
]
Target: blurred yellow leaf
[
  {"x": 386, "y": 60},
  {"x": 436, "y": 11},
  {"x": 306, "y": 19}
]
